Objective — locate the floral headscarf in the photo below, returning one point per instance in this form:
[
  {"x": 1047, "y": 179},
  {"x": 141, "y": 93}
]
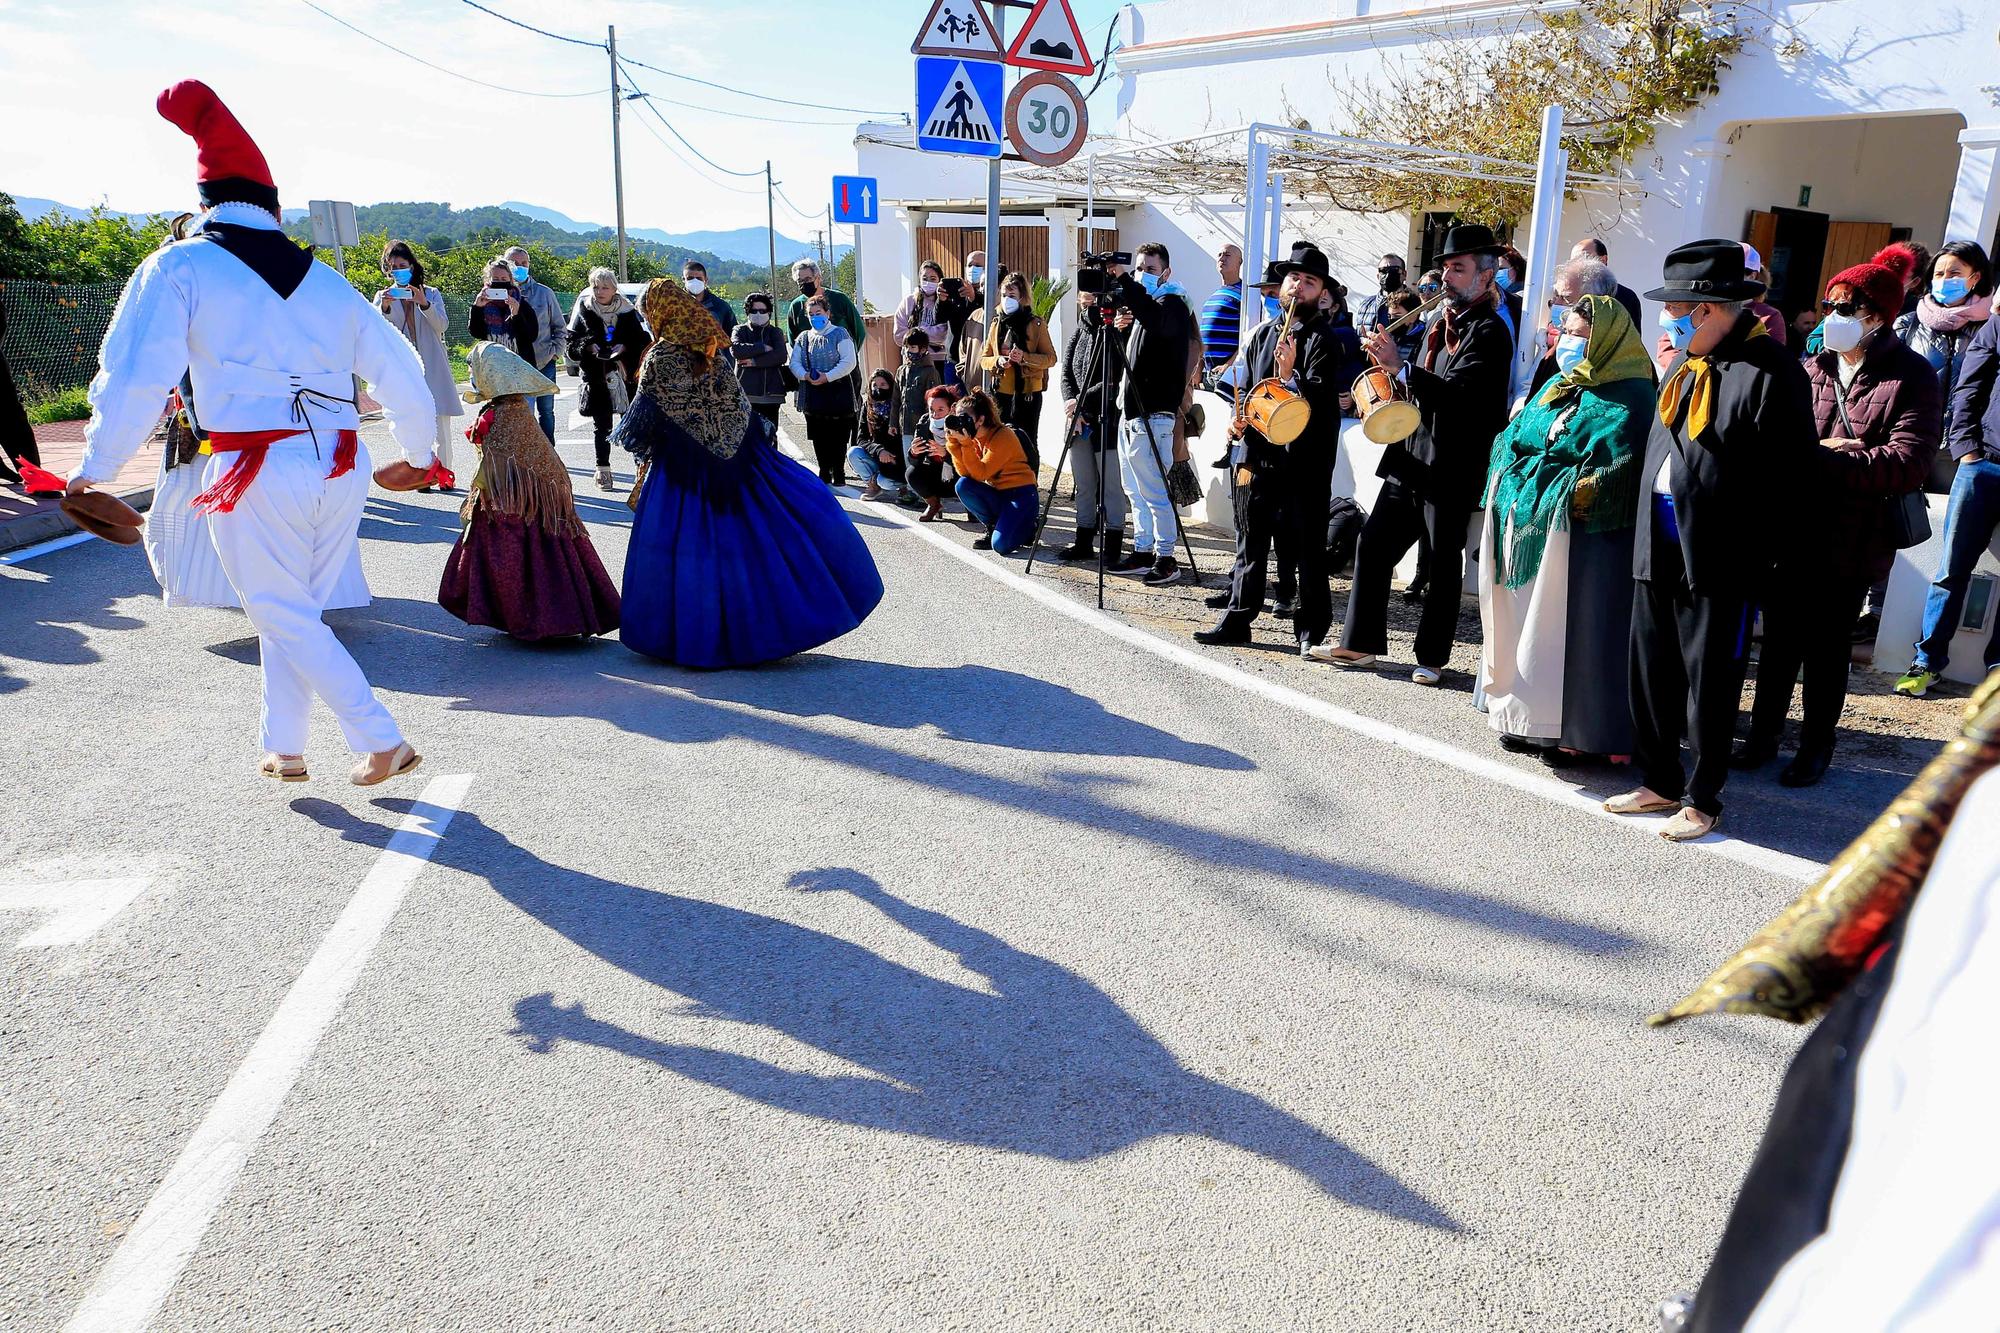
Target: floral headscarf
[{"x": 678, "y": 320}]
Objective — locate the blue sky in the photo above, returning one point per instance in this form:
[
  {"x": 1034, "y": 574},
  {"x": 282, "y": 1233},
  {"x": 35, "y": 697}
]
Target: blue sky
[{"x": 341, "y": 117}]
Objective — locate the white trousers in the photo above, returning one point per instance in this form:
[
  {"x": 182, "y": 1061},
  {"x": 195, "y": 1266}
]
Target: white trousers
[{"x": 284, "y": 547}]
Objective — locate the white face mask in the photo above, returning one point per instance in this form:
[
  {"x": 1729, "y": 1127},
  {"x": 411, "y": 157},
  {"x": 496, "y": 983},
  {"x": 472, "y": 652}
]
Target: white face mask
[
  {"x": 696, "y": 286},
  {"x": 1842, "y": 333},
  {"x": 930, "y": 287},
  {"x": 1009, "y": 305},
  {"x": 759, "y": 319}
]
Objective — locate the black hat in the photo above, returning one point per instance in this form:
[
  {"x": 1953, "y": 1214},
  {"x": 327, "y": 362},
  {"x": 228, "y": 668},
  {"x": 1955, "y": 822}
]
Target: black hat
[
  {"x": 1706, "y": 271},
  {"x": 1273, "y": 273},
  {"x": 1469, "y": 239},
  {"x": 1306, "y": 259}
]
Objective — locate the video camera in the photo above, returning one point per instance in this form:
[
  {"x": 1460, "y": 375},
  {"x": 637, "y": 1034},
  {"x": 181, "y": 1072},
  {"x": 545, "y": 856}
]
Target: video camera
[{"x": 1094, "y": 277}]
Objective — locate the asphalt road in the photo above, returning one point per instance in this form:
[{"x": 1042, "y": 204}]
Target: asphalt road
[{"x": 985, "y": 969}]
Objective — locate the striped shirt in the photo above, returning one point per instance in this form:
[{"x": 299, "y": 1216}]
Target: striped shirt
[{"x": 1221, "y": 323}]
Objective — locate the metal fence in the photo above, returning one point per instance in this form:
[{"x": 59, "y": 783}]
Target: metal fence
[{"x": 54, "y": 332}]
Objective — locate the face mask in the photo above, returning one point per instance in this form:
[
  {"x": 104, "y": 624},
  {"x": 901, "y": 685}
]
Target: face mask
[
  {"x": 759, "y": 319},
  {"x": 1949, "y": 291},
  {"x": 1150, "y": 281},
  {"x": 1392, "y": 280},
  {"x": 1556, "y": 314},
  {"x": 1009, "y": 305},
  {"x": 974, "y": 274},
  {"x": 1679, "y": 330},
  {"x": 878, "y": 392},
  {"x": 520, "y": 272},
  {"x": 808, "y": 287},
  {"x": 1570, "y": 348},
  {"x": 1504, "y": 279},
  {"x": 930, "y": 288},
  {"x": 696, "y": 286},
  {"x": 819, "y": 323},
  {"x": 403, "y": 275},
  {"x": 1842, "y": 333}
]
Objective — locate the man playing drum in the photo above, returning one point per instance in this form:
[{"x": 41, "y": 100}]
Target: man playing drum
[{"x": 1287, "y": 487}]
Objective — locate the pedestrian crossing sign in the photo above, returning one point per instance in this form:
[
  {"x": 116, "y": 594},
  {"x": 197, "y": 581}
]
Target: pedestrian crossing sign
[{"x": 958, "y": 103}]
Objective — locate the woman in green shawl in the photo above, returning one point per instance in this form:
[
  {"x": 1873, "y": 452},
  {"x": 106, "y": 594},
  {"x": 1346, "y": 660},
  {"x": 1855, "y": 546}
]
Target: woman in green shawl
[{"x": 1555, "y": 566}]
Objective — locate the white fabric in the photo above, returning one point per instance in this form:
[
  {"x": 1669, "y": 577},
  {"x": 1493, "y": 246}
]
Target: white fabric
[
  {"x": 284, "y": 547},
  {"x": 192, "y": 307},
  {"x": 1912, "y": 1243},
  {"x": 1522, "y": 658}
]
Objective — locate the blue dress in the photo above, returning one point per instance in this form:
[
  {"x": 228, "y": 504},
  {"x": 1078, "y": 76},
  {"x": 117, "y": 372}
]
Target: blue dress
[{"x": 738, "y": 554}]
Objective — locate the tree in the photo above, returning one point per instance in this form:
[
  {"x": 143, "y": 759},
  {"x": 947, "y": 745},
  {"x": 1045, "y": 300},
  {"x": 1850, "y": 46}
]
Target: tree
[{"x": 99, "y": 248}]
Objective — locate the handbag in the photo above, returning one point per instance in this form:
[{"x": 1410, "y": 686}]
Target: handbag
[
  {"x": 1183, "y": 487},
  {"x": 1906, "y": 518},
  {"x": 614, "y": 389}
]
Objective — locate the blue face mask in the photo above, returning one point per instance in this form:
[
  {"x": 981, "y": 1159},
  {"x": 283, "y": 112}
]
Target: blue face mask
[
  {"x": 1557, "y": 313},
  {"x": 1949, "y": 291},
  {"x": 974, "y": 274},
  {"x": 401, "y": 275},
  {"x": 1504, "y": 279},
  {"x": 1569, "y": 351},
  {"x": 1679, "y": 331},
  {"x": 1150, "y": 281},
  {"x": 520, "y": 272},
  {"x": 820, "y": 323}
]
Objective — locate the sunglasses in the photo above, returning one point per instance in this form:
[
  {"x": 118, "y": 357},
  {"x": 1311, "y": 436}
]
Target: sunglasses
[{"x": 1845, "y": 309}]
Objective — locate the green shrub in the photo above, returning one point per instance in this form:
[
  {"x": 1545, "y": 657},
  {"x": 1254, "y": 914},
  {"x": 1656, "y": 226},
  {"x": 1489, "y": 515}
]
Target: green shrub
[{"x": 71, "y": 404}]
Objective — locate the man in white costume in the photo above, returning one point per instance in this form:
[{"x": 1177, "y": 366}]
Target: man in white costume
[{"x": 270, "y": 341}]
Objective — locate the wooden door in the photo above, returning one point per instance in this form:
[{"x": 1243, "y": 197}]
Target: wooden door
[
  {"x": 1850, "y": 243},
  {"x": 1762, "y": 233},
  {"x": 1022, "y": 249}
]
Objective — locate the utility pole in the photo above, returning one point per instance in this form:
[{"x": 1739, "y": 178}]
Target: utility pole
[
  {"x": 993, "y": 205},
  {"x": 771, "y": 229},
  {"x": 617, "y": 149}
]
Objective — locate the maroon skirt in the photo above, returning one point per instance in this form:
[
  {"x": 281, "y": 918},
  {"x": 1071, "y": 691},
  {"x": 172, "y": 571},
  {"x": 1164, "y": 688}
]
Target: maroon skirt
[{"x": 532, "y": 583}]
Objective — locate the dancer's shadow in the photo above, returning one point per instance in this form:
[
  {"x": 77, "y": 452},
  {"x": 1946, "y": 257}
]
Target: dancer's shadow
[
  {"x": 390, "y": 520},
  {"x": 1047, "y": 1064},
  {"x": 979, "y": 704},
  {"x": 48, "y": 619}
]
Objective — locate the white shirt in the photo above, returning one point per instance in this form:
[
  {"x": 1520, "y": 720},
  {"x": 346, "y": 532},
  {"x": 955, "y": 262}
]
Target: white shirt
[{"x": 194, "y": 308}]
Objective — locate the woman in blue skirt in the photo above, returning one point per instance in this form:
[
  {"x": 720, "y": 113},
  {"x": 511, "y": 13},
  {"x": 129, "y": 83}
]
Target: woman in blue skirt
[{"x": 738, "y": 555}]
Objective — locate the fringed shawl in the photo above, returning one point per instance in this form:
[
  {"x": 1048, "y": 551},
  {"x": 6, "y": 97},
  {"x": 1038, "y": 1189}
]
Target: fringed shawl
[
  {"x": 693, "y": 428},
  {"x": 1595, "y": 437},
  {"x": 519, "y": 472}
]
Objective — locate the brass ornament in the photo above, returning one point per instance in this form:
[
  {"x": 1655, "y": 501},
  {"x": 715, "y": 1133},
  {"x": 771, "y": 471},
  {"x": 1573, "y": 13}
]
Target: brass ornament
[{"x": 1794, "y": 967}]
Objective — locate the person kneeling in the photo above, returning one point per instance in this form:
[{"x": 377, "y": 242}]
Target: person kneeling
[{"x": 995, "y": 483}]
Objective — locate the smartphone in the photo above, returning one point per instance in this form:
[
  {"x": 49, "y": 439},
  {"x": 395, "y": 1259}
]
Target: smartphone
[{"x": 497, "y": 293}]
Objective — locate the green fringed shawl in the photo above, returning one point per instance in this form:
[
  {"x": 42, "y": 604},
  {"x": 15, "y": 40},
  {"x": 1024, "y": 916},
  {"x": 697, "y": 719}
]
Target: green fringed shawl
[{"x": 1535, "y": 478}]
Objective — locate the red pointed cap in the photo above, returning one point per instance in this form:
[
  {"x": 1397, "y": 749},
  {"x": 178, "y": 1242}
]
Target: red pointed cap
[{"x": 230, "y": 166}]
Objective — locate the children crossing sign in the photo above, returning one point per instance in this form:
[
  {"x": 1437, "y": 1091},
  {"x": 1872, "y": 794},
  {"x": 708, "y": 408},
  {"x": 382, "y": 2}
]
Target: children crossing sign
[
  {"x": 958, "y": 106},
  {"x": 959, "y": 29}
]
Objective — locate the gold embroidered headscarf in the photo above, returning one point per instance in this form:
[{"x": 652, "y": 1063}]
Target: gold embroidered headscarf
[{"x": 678, "y": 320}]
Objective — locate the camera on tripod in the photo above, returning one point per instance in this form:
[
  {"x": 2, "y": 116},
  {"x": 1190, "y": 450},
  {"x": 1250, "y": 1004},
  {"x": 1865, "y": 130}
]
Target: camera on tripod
[{"x": 1094, "y": 277}]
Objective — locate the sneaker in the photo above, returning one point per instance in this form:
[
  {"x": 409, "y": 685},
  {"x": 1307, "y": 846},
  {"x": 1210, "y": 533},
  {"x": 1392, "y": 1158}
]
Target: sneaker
[
  {"x": 604, "y": 482},
  {"x": 1166, "y": 572},
  {"x": 871, "y": 492},
  {"x": 1133, "y": 562},
  {"x": 984, "y": 543},
  {"x": 1917, "y": 682},
  {"x": 1282, "y": 608},
  {"x": 1424, "y": 675}
]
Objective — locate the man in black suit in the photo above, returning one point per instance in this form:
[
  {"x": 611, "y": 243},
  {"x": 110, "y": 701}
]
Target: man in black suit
[
  {"x": 1592, "y": 248},
  {"x": 1433, "y": 481},
  {"x": 1734, "y": 429},
  {"x": 1289, "y": 488}
]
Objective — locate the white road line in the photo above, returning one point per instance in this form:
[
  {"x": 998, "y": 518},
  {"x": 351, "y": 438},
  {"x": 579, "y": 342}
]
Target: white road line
[
  {"x": 43, "y": 548},
  {"x": 76, "y": 908},
  {"x": 1476, "y": 765},
  {"x": 131, "y": 1287}
]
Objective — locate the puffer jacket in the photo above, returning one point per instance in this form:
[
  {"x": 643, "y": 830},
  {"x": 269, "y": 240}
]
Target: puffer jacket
[
  {"x": 1895, "y": 410},
  {"x": 1945, "y": 351}
]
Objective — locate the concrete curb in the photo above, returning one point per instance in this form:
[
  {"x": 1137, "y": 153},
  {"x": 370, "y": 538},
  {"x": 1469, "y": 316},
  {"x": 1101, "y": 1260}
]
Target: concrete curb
[{"x": 51, "y": 523}]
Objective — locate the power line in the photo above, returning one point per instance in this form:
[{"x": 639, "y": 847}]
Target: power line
[
  {"x": 682, "y": 159},
  {"x": 809, "y": 217},
  {"x": 573, "y": 41},
  {"x": 684, "y": 139},
  {"x": 733, "y": 115},
  {"x": 762, "y": 97},
  {"x": 359, "y": 32}
]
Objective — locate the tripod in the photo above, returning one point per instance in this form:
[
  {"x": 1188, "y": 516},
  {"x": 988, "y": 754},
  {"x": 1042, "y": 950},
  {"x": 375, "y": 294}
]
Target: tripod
[{"x": 1101, "y": 443}]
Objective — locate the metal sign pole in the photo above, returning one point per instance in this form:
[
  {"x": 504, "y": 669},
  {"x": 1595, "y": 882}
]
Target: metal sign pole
[
  {"x": 992, "y": 294},
  {"x": 1545, "y": 218}
]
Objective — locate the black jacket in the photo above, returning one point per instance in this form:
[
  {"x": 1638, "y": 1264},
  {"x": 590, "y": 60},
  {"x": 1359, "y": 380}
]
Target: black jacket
[
  {"x": 587, "y": 343},
  {"x": 1156, "y": 356},
  {"x": 1730, "y": 486},
  {"x": 523, "y": 328},
  {"x": 1461, "y": 398},
  {"x": 1086, "y": 373},
  {"x": 1630, "y": 300},
  {"x": 1317, "y": 376},
  {"x": 1972, "y": 420},
  {"x": 760, "y": 356}
]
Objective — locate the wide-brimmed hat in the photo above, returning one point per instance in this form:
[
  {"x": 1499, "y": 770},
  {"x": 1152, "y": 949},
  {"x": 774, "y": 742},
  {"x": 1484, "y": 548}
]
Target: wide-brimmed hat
[
  {"x": 1272, "y": 273},
  {"x": 1469, "y": 239},
  {"x": 1310, "y": 260},
  {"x": 497, "y": 372},
  {"x": 1706, "y": 271}
]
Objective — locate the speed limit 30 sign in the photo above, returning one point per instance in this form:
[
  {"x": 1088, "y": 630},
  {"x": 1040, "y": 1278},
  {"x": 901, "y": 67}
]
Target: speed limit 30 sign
[{"x": 1046, "y": 119}]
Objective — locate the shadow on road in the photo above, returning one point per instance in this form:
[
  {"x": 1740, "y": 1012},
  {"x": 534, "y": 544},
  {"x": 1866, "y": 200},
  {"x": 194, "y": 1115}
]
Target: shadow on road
[{"x": 1047, "y": 1064}]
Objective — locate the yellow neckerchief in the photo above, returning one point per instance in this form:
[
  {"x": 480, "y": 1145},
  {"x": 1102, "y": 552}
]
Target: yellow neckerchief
[{"x": 1693, "y": 382}]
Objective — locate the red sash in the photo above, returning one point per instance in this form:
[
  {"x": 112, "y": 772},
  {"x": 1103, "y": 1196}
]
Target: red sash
[{"x": 249, "y": 446}]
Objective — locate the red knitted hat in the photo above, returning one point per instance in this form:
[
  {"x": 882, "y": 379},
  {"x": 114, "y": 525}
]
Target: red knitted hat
[
  {"x": 1881, "y": 281},
  {"x": 229, "y": 166}
]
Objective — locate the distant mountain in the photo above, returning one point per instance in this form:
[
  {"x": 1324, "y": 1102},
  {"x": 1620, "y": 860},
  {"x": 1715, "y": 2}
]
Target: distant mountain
[
  {"x": 32, "y": 208},
  {"x": 745, "y": 244}
]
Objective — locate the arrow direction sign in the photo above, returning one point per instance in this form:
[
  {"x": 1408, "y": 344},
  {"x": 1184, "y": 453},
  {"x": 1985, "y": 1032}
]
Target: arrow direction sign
[
  {"x": 854, "y": 200},
  {"x": 75, "y": 909}
]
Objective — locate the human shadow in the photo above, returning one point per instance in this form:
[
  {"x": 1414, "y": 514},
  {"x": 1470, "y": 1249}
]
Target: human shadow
[
  {"x": 1045, "y": 1063},
  {"x": 973, "y": 703},
  {"x": 403, "y": 521},
  {"x": 48, "y": 620}
]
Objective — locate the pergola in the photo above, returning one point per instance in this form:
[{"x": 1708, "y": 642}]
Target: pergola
[{"x": 1266, "y": 153}]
